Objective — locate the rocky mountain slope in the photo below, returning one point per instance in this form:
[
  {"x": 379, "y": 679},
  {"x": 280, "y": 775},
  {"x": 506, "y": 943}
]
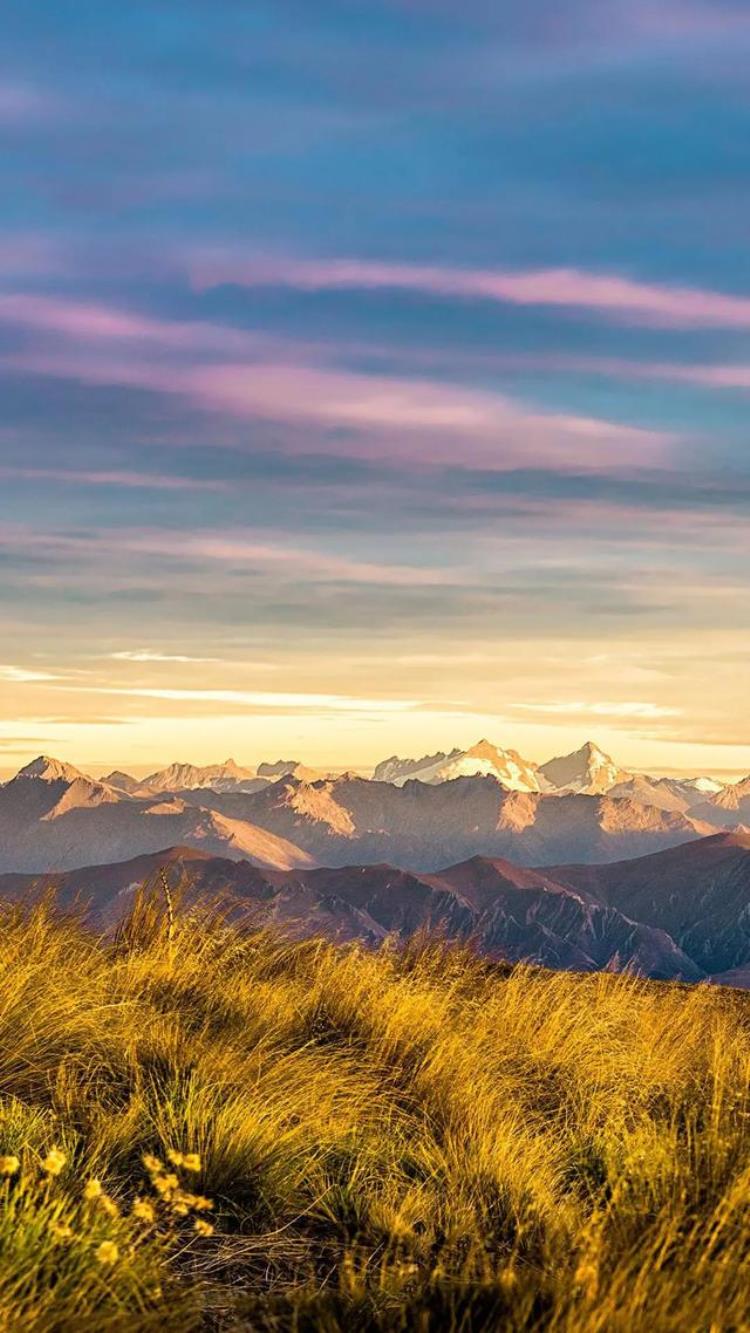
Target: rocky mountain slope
[
  {"x": 507, "y": 912},
  {"x": 700, "y": 894},
  {"x": 588, "y": 771},
  {"x": 54, "y": 817},
  {"x": 422, "y": 825}
]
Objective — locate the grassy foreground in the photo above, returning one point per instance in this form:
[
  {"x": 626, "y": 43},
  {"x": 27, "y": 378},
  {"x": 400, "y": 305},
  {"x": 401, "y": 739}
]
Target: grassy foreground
[{"x": 412, "y": 1141}]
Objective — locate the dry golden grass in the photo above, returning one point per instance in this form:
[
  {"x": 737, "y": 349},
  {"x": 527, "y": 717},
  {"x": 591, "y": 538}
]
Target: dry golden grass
[{"x": 411, "y": 1140}]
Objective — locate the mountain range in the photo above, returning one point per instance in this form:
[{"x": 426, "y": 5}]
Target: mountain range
[
  {"x": 575, "y": 863},
  {"x": 418, "y": 814},
  {"x": 681, "y": 914}
]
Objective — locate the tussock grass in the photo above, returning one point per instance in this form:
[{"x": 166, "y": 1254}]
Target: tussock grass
[{"x": 392, "y": 1140}]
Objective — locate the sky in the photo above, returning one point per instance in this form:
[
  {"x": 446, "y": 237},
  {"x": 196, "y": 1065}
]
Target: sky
[{"x": 374, "y": 377}]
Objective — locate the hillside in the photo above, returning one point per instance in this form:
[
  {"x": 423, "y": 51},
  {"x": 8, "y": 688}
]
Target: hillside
[
  {"x": 346, "y": 1140},
  {"x": 509, "y": 913},
  {"x": 700, "y": 895}
]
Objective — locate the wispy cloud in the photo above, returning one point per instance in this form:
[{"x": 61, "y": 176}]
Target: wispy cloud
[
  {"x": 600, "y": 708},
  {"x": 271, "y": 699},
  {"x": 292, "y": 561},
  {"x": 95, "y": 321},
  {"x": 617, "y": 297},
  {"x": 288, "y": 562},
  {"x": 15, "y": 675},
  {"x": 146, "y": 481},
  {"x": 701, "y": 374},
  {"x": 152, "y": 655},
  {"x": 100, "y": 344},
  {"x": 443, "y": 414},
  {"x": 18, "y": 744}
]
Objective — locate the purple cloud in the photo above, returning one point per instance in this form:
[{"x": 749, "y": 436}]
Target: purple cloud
[
  {"x": 618, "y": 298},
  {"x": 418, "y": 421},
  {"x": 421, "y": 420}
]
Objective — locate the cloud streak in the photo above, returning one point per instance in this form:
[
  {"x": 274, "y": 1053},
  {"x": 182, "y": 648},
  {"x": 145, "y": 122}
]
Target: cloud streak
[
  {"x": 611, "y": 295},
  {"x": 282, "y": 560},
  {"x": 603, "y": 708},
  {"x": 424, "y": 420},
  {"x": 15, "y": 675},
  {"x": 149, "y": 481},
  {"x": 270, "y": 699},
  {"x": 152, "y": 655}
]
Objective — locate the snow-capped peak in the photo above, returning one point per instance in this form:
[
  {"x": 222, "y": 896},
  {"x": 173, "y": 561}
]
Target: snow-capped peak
[
  {"x": 709, "y": 786},
  {"x": 589, "y": 771},
  {"x": 480, "y": 760}
]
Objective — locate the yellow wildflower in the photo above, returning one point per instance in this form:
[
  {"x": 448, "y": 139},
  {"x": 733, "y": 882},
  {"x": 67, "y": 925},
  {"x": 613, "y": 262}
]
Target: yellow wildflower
[
  {"x": 92, "y": 1189},
  {"x": 54, "y": 1162},
  {"x": 9, "y": 1165},
  {"x": 61, "y": 1230},
  {"x": 191, "y": 1161},
  {"x": 175, "y": 1157},
  {"x": 109, "y": 1206},
  {"x": 152, "y": 1163},
  {"x": 166, "y": 1183},
  {"x": 181, "y": 1209},
  {"x": 107, "y": 1252},
  {"x": 143, "y": 1210},
  {"x": 203, "y": 1227},
  {"x": 197, "y": 1201}
]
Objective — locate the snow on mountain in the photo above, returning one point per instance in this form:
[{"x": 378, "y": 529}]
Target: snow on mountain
[
  {"x": 729, "y": 806},
  {"x": 588, "y": 771},
  {"x": 482, "y": 759},
  {"x": 705, "y": 786}
]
